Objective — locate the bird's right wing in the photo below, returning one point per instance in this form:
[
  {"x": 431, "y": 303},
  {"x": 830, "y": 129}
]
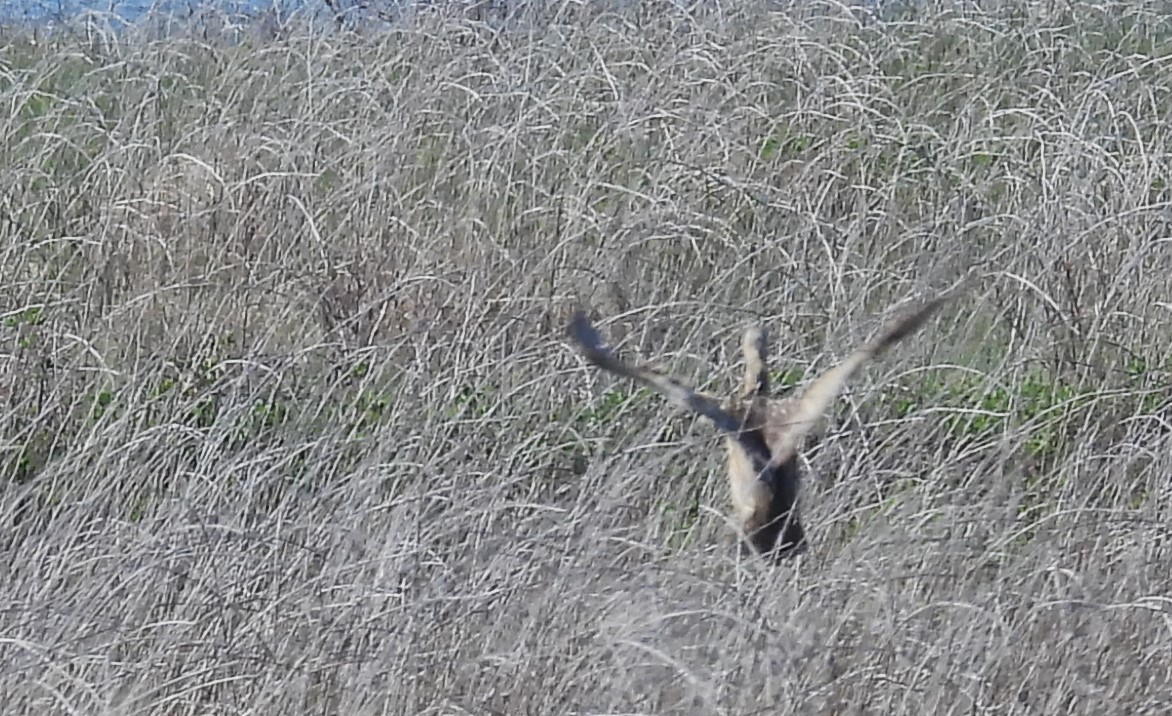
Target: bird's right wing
[{"x": 594, "y": 349}]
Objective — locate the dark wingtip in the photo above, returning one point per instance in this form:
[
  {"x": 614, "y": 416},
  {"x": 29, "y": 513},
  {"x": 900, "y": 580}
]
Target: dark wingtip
[
  {"x": 911, "y": 322},
  {"x": 577, "y": 317},
  {"x": 581, "y": 330}
]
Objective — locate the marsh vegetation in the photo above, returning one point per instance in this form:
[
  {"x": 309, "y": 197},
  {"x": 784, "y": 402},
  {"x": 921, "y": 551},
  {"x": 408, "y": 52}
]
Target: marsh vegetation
[{"x": 291, "y": 424}]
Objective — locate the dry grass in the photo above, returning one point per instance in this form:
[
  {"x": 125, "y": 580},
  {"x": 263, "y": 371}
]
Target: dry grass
[{"x": 291, "y": 425}]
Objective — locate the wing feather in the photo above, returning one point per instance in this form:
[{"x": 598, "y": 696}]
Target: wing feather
[
  {"x": 802, "y": 414},
  {"x": 594, "y": 349}
]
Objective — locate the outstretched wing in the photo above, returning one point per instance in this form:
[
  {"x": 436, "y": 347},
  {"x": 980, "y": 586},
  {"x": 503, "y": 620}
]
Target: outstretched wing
[
  {"x": 593, "y": 348},
  {"x": 802, "y": 413}
]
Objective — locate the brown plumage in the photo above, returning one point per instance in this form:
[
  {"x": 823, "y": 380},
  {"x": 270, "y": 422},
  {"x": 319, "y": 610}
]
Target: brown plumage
[{"x": 762, "y": 433}]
